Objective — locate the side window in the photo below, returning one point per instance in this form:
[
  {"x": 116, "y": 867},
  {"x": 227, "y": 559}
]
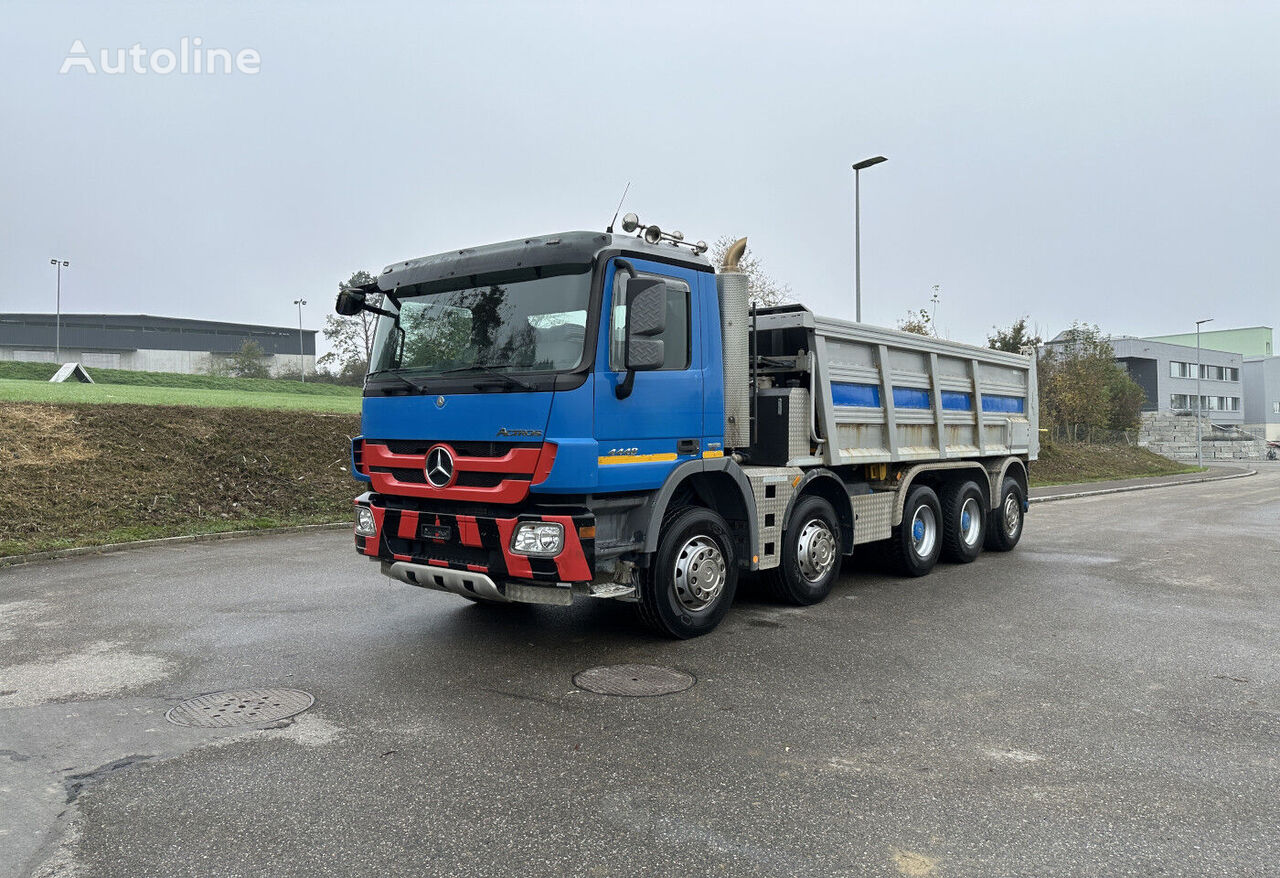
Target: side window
[{"x": 676, "y": 338}]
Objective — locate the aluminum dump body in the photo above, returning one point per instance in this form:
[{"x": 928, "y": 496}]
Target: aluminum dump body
[{"x": 883, "y": 396}]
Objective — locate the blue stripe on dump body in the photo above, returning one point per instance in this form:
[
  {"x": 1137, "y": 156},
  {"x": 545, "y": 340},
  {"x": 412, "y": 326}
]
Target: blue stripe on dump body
[
  {"x": 862, "y": 395},
  {"x": 910, "y": 398},
  {"x": 868, "y": 396},
  {"x": 1007, "y": 404}
]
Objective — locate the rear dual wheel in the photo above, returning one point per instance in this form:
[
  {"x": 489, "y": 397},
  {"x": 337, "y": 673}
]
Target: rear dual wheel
[
  {"x": 1004, "y": 525},
  {"x": 964, "y": 516},
  {"x": 915, "y": 545}
]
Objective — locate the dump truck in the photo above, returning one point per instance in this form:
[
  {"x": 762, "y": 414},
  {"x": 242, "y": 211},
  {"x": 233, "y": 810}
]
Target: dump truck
[{"x": 604, "y": 416}]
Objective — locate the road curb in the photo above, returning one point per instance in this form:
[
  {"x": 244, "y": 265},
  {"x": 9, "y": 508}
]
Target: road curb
[
  {"x": 1124, "y": 489},
  {"x": 55, "y": 554}
]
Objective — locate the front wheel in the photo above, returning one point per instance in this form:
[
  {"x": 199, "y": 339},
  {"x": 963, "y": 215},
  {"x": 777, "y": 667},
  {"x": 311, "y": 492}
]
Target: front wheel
[
  {"x": 691, "y": 581},
  {"x": 1004, "y": 528},
  {"x": 810, "y": 559}
]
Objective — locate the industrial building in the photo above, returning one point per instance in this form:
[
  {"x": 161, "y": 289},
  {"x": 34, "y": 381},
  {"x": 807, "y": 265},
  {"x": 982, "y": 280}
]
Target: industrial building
[{"x": 141, "y": 342}]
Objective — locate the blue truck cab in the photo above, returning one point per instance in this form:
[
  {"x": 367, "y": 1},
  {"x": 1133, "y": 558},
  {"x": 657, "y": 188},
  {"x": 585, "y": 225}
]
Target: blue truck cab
[{"x": 580, "y": 415}]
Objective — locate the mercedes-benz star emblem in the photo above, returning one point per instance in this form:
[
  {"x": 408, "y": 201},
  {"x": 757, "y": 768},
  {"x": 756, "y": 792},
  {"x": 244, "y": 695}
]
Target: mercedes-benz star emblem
[
  {"x": 439, "y": 467},
  {"x": 439, "y": 402}
]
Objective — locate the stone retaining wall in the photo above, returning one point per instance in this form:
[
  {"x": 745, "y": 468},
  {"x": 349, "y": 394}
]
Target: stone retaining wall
[{"x": 1174, "y": 436}]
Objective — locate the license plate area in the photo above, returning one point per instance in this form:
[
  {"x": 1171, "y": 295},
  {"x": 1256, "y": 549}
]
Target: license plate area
[{"x": 435, "y": 532}]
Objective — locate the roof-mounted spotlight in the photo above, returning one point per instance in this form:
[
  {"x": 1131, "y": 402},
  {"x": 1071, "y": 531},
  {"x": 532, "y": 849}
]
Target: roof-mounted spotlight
[{"x": 654, "y": 235}]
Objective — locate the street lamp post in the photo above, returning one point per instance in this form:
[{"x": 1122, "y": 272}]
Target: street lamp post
[
  {"x": 857, "y": 231},
  {"x": 302, "y": 362},
  {"x": 57, "y": 320},
  {"x": 1199, "y": 447}
]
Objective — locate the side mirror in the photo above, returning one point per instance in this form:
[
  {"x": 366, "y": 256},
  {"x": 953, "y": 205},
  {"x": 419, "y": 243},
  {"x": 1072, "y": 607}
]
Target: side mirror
[
  {"x": 646, "y": 318},
  {"x": 350, "y": 302}
]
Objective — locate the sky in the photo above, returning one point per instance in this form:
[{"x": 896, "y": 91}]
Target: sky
[{"x": 1107, "y": 162}]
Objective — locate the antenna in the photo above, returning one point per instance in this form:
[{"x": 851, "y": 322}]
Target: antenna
[{"x": 615, "y": 213}]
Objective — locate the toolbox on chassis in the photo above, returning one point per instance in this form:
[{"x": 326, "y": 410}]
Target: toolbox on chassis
[{"x": 591, "y": 415}]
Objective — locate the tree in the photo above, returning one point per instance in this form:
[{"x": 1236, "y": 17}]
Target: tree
[
  {"x": 351, "y": 338},
  {"x": 1017, "y": 339},
  {"x": 249, "y": 361},
  {"x": 1083, "y": 388},
  {"x": 763, "y": 290},
  {"x": 921, "y": 323}
]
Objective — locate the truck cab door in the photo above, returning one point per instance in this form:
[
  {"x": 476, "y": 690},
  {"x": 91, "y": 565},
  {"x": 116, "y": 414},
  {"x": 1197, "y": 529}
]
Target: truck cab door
[{"x": 660, "y": 424}]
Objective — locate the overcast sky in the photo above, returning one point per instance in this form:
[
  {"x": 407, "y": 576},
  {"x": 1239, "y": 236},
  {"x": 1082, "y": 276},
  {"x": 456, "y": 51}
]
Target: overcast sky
[{"x": 1107, "y": 162}]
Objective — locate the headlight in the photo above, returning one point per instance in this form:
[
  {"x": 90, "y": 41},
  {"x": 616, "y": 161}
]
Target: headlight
[
  {"x": 538, "y": 538},
  {"x": 365, "y": 525}
]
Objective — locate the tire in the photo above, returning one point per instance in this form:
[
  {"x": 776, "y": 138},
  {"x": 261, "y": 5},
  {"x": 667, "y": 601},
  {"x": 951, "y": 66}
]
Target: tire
[
  {"x": 810, "y": 562},
  {"x": 690, "y": 584},
  {"x": 916, "y": 543},
  {"x": 964, "y": 521},
  {"x": 1004, "y": 527}
]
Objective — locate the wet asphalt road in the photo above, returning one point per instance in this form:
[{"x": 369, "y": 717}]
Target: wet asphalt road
[{"x": 1103, "y": 701}]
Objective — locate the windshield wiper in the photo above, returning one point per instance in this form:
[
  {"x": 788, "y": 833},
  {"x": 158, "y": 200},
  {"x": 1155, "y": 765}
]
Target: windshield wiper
[
  {"x": 505, "y": 376},
  {"x": 396, "y": 375}
]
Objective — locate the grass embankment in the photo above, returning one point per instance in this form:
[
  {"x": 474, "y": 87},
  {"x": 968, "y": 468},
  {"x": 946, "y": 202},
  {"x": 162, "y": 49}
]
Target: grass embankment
[
  {"x": 86, "y": 475},
  {"x": 36, "y": 391},
  {"x": 29, "y": 382},
  {"x": 1068, "y": 463},
  {"x": 45, "y": 371}
]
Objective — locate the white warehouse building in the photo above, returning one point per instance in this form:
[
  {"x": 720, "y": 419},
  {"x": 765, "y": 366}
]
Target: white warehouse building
[{"x": 143, "y": 343}]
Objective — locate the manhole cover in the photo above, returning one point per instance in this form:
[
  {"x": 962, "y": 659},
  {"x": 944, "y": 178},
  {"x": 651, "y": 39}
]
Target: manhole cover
[
  {"x": 240, "y": 707},
  {"x": 633, "y": 680}
]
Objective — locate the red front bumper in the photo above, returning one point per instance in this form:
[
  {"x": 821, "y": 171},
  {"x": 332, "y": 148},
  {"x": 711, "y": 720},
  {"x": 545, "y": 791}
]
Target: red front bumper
[{"x": 478, "y": 544}]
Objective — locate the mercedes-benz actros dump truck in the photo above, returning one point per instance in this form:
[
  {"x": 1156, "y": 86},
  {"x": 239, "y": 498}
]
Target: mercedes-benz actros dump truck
[{"x": 603, "y": 416}]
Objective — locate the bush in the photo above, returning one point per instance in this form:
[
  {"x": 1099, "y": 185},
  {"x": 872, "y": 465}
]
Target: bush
[{"x": 249, "y": 361}]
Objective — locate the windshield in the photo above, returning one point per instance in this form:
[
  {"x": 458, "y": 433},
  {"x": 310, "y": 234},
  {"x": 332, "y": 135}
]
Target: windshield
[{"x": 536, "y": 325}]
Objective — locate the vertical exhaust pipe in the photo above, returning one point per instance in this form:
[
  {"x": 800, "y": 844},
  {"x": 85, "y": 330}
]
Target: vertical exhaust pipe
[{"x": 731, "y": 285}]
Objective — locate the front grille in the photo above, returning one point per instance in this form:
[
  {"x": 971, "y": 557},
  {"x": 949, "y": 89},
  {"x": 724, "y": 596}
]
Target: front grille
[
  {"x": 443, "y": 551},
  {"x": 461, "y": 449}
]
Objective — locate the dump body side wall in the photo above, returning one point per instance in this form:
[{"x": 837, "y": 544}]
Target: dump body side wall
[{"x": 889, "y": 397}]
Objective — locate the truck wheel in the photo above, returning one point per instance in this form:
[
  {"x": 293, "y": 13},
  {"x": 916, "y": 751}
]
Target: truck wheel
[
  {"x": 916, "y": 543},
  {"x": 1004, "y": 529},
  {"x": 964, "y": 522},
  {"x": 690, "y": 583},
  {"x": 810, "y": 559}
]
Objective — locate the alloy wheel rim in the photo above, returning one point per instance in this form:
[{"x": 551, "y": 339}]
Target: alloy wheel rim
[
  {"x": 1011, "y": 517},
  {"x": 699, "y": 574},
  {"x": 970, "y": 521},
  {"x": 815, "y": 550},
  {"x": 924, "y": 532}
]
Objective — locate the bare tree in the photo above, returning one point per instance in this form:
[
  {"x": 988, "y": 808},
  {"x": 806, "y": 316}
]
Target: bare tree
[{"x": 763, "y": 289}]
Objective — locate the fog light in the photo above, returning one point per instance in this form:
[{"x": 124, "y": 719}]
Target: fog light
[
  {"x": 538, "y": 538},
  {"x": 365, "y": 525}
]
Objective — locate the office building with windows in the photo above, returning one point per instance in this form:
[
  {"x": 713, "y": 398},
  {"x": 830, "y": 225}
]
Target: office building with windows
[{"x": 1167, "y": 374}]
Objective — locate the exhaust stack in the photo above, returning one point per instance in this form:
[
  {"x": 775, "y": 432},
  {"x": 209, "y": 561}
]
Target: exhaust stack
[{"x": 731, "y": 284}]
